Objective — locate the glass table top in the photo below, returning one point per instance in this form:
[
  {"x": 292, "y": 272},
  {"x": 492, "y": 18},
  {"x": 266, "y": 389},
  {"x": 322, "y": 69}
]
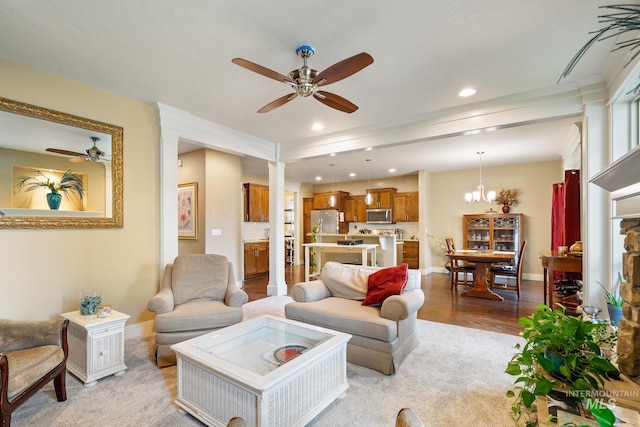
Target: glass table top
[{"x": 261, "y": 345}]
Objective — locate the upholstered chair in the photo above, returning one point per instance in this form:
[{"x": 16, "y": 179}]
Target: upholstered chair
[
  {"x": 198, "y": 295},
  {"x": 380, "y": 314},
  {"x": 32, "y": 353}
]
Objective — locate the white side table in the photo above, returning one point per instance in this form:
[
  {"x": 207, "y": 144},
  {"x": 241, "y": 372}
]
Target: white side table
[{"x": 96, "y": 345}]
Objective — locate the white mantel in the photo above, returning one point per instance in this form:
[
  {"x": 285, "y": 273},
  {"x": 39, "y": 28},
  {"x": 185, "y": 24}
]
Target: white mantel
[{"x": 622, "y": 179}]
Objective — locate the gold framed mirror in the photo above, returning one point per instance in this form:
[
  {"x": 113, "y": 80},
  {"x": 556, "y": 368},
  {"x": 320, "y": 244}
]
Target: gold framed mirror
[{"x": 37, "y": 143}]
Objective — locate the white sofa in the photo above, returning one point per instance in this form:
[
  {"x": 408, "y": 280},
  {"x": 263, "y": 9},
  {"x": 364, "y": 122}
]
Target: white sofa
[{"x": 382, "y": 336}]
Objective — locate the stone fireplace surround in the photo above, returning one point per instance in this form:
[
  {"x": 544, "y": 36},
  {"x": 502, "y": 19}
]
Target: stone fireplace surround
[
  {"x": 622, "y": 179},
  {"x": 629, "y": 328}
]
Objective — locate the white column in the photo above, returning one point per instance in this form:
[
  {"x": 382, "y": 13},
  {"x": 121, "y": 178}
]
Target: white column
[
  {"x": 169, "y": 135},
  {"x": 277, "y": 284},
  {"x": 595, "y": 204}
]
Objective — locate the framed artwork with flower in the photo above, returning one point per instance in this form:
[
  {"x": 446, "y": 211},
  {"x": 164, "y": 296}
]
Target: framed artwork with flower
[{"x": 188, "y": 211}]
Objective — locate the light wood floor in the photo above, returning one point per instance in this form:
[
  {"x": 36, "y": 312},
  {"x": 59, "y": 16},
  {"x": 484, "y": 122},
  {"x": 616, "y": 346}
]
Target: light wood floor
[{"x": 446, "y": 305}]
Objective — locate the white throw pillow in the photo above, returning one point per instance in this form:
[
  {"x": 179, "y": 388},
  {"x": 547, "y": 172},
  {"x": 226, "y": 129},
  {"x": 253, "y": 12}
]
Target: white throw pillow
[{"x": 346, "y": 281}]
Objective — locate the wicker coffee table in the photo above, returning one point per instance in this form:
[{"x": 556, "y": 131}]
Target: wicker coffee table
[{"x": 269, "y": 371}]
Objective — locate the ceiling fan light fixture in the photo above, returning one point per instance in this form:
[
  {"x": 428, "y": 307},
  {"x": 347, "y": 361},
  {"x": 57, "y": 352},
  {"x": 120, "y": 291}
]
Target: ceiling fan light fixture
[{"x": 306, "y": 81}]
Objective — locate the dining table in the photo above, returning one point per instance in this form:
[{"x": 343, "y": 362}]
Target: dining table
[{"x": 483, "y": 259}]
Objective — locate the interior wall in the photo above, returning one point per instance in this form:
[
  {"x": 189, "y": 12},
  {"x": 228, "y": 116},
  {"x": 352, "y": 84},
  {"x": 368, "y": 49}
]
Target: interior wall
[
  {"x": 224, "y": 207},
  {"x": 534, "y": 180},
  {"x": 193, "y": 169},
  {"x": 42, "y": 271}
]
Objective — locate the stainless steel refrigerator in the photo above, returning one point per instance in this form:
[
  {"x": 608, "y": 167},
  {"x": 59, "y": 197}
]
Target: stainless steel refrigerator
[{"x": 328, "y": 220}]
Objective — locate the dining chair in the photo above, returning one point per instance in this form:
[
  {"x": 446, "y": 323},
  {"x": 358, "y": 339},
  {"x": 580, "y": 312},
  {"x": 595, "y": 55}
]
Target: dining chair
[
  {"x": 509, "y": 271},
  {"x": 459, "y": 267}
]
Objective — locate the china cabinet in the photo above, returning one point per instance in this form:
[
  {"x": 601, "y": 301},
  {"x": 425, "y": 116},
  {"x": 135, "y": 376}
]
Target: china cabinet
[{"x": 498, "y": 232}]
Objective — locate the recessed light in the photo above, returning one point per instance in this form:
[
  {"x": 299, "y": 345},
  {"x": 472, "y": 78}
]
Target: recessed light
[
  {"x": 317, "y": 126},
  {"x": 368, "y": 149},
  {"x": 392, "y": 170},
  {"x": 352, "y": 174},
  {"x": 332, "y": 155},
  {"x": 467, "y": 92},
  {"x": 318, "y": 178}
]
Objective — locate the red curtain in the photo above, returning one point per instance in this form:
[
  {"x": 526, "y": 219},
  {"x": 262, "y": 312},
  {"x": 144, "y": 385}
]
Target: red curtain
[{"x": 565, "y": 213}]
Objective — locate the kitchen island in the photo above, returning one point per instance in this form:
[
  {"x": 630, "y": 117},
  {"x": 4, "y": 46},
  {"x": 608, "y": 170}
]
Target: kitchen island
[
  {"x": 388, "y": 252},
  {"x": 313, "y": 261}
]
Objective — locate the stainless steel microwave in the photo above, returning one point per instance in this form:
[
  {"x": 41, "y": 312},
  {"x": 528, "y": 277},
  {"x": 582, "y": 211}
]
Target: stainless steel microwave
[{"x": 379, "y": 216}]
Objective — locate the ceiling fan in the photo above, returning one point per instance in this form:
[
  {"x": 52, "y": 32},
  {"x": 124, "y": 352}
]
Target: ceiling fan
[
  {"x": 306, "y": 81},
  {"x": 93, "y": 154}
]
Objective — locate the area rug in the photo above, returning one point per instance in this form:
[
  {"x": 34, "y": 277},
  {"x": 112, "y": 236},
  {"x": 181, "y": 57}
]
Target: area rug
[{"x": 454, "y": 378}]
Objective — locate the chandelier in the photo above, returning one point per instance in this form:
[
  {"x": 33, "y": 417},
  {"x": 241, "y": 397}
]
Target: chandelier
[
  {"x": 368, "y": 199},
  {"x": 332, "y": 199},
  {"x": 475, "y": 196}
]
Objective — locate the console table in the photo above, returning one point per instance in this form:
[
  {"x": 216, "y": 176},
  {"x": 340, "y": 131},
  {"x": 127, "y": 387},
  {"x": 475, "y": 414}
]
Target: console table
[{"x": 551, "y": 262}]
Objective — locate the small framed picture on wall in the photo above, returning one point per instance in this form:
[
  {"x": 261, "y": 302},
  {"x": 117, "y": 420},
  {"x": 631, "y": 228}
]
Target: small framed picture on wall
[{"x": 188, "y": 211}]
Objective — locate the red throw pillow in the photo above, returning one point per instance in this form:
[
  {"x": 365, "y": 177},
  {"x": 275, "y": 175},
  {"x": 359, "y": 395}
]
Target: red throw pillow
[{"x": 384, "y": 283}]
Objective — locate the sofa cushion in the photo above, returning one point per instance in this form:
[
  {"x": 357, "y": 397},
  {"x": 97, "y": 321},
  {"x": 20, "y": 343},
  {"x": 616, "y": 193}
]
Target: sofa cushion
[
  {"x": 199, "y": 277},
  {"x": 198, "y": 315},
  {"x": 345, "y": 281},
  {"x": 30, "y": 365},
  {"x": 384, "y": 283},
  {"x": 344, "y": 315}
]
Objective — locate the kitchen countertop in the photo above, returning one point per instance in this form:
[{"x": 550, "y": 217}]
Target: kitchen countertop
[{"x": 255, "y": 241}]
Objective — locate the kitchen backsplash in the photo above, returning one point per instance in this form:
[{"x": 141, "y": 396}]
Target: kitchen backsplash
[
  {"x": 409, "y": 229},
  {"x": 255, "y": 230},
  {"x": 259, "y": 230}
]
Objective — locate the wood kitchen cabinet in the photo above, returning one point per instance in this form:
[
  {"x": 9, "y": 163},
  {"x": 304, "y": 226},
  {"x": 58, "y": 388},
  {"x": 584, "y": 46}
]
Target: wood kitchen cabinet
[
  {"x": 355, "y": 210},
  {"x": 321, "y": 200},
  {"x": 382, "y": 198},
  {"x": 256, "y": 203},
  {"x": 499, "y": 232},
  {"x": 410, "y": 251},
  {"x": 307, "y": 207},
  {"x": 256, "y": 258},
  {"x": 405, "y": 207}
]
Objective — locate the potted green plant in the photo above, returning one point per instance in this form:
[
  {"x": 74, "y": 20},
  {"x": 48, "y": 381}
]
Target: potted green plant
[
  {"x": 559, "y": 351},
  {"x": 614, "y": 300},
  {"x": 69, "y": 182}
]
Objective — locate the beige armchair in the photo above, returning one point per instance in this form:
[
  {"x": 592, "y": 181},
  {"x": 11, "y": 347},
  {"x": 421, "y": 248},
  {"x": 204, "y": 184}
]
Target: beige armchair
[
  {"x": 198, "y": 295},
  {"x": 31, "y": 355},
  {"x": 382, "y": 335}
]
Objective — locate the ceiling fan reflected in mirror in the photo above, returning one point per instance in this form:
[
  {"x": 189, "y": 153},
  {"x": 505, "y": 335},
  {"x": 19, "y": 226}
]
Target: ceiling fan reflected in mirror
[
  {"x": 306, "y": 81},
  {"x": 92, "y": 154}
]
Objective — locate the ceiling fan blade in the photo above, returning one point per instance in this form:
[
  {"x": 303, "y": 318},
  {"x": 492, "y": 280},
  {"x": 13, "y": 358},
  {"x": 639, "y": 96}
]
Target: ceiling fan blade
[
  {"x": 278, "y": 103},
  {"x": 343, "y": 69},
  {"x": 335, "y": 101},
  {"x": 65, "y": 152},
  {"x": 262, "y": 70}
]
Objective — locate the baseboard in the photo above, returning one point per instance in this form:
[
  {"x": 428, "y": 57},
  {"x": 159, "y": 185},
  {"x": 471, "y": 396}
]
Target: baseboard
[{"x": 139, "y": 330}]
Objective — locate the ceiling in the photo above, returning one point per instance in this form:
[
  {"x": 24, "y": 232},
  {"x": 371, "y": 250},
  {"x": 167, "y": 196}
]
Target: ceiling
[{"x": 179, "y": 54}]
